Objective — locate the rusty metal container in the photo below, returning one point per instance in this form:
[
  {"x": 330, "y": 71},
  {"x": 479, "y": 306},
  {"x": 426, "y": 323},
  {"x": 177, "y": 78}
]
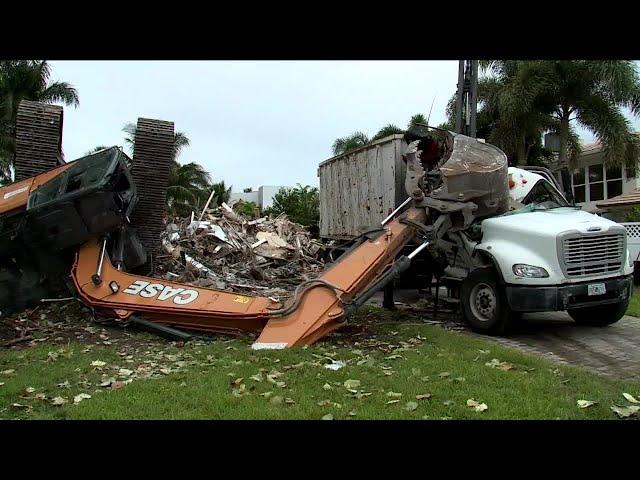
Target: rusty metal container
[{"x": 359, "y": 189}]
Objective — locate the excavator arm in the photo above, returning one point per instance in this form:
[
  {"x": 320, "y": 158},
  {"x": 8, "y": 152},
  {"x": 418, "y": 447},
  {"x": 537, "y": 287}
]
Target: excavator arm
[{"x": 317, "y": 308}]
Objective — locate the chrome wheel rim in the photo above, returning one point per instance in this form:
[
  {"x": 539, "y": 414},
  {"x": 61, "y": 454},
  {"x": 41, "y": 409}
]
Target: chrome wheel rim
[{"x": 483, "y": 302}]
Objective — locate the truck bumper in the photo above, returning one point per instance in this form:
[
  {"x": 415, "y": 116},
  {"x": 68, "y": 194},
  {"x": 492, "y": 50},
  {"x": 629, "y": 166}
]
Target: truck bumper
[{"x": 561, "y": 297}]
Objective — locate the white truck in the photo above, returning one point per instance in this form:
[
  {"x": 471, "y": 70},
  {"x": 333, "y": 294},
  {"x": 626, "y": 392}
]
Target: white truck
[
  {"x": 537, "y": 254},
  {"x": 547, "y": 256}
]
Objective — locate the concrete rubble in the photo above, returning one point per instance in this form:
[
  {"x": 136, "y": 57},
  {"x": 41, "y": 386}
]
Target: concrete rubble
[{"x": 228, "y": 251}]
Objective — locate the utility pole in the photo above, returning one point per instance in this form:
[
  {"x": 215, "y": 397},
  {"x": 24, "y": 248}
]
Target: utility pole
[{"x": 467, "y": 97}]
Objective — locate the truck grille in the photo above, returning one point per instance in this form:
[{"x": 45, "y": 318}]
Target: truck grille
[{"x": 588, "y": 255}]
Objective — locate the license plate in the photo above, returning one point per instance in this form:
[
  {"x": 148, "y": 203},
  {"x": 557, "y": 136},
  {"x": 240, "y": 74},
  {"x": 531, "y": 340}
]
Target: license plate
[{"x": 596, "y": 289}]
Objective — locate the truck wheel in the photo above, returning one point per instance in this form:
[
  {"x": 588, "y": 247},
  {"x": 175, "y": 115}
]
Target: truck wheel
[
  {"x": 484, "y": 304},
  {"x": 599, "y": 316}
]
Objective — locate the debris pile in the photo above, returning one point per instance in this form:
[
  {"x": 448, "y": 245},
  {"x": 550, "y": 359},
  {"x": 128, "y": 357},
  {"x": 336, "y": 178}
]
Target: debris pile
[{"x": 228, "y": 251}]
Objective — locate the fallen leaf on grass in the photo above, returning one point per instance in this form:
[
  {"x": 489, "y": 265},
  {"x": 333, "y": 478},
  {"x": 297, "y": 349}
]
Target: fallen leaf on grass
[
  {"x": 256, "y": 378},
  {"x": 448, "y": 403},
  {"x": 411, "y": 406},
  {"x": 125, "y": 372},
  {"x": 478, "y": 407},
  {"x": 98, "y": 363},
  {"x": 1, "y": 384},
  {"x": 624, "y": 412},
  {"x": 117, "y": 385},
  {"x": 237, "y": 382},
  {"x": 394, "y": 394},
  {"x": 630, "y": 398},
  {"x": 391, "y": 402},
  {"x": 326, "y": 386},
  {"x": 6, "y": 373},
  {"x": 58, "y": 401},
  {"x": 64, "y": 384},
  {"x": 393, "y": 357},
  {"x": 495, "y": 363},
  {"x": 29, "y": 390},
  {"x": 82, "y": 396},
  {"x": 328, "y": 416},
  {"x": 19, "y": 405},
  {"x": 351, "y": 384},
  {"x": 444, "y": 374},
  {"x": 425, "y": 396},
  {"x": 585, "y": 403}
]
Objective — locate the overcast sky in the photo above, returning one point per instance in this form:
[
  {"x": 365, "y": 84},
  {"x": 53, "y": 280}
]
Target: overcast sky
[{"x": 252, "y": 123}]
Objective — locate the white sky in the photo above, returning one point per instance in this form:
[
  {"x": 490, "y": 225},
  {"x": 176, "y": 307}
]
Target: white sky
[{"x": 253, "y": 123}]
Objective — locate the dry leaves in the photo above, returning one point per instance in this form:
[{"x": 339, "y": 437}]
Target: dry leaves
[
  {"x": 586, "y": 403},
  {"x": 495, "y": 363},
  {"x": 625, "y": 412},
  {"x": 477, "y": 406},
  {"x": 411, "y": 406}
]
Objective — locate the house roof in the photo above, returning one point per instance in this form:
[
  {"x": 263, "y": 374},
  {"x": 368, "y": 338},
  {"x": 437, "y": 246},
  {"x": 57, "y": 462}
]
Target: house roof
[{"x": 624, "y": 200}]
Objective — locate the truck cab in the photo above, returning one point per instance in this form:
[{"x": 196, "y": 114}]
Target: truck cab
[{"x": 544, "y": 255}]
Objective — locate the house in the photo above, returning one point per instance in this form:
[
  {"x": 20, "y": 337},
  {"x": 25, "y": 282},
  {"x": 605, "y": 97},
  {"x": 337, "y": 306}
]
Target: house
[
  {"x": 592, "y": 181},
  {"x": 263, "y": 196}
]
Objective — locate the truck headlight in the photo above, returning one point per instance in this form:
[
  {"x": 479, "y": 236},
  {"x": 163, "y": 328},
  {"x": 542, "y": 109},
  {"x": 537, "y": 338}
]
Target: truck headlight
[{"x": 529, "y": 271}]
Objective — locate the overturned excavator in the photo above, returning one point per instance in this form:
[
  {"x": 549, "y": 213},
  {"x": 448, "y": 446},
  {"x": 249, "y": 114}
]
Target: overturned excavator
[{"x": 70, "y": 229}]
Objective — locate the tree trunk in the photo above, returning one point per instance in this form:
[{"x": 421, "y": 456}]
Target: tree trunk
[
  {"x": 521, "y": 151},
  {"x": 563, "y": 155}
]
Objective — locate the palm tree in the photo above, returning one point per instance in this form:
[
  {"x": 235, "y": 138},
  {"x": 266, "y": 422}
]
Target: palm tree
[
  {"x": 221, "y": 193},
  {"x": 25, "y": 80},
  {"x": 189, "y": 187},
  {"x": 558, "y": 95},
  {"x": 350, "y": 142},
  {"x": 389, "y": 129},
  {"x": 416, "y": 119}
]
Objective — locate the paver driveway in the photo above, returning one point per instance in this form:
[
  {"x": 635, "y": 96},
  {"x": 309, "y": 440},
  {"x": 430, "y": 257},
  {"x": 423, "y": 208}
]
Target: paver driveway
[{"x": 612, "y": 350}]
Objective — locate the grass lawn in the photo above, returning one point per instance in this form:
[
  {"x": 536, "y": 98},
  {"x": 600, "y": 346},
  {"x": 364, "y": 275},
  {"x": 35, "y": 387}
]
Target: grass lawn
[
  {"x": 634, "y": 304},
  {"x": 396, "y": 368}
]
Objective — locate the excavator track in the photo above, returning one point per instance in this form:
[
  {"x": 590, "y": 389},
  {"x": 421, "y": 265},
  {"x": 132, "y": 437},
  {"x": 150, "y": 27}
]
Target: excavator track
[
  {"x": 38, "y": 139},
  {"x": 152, "y": 157}
]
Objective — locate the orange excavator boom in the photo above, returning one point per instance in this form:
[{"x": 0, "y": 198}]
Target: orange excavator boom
[{"x": 317, "y": 308}]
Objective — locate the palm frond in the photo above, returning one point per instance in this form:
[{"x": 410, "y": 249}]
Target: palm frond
[{"x": 62, "y": 92}]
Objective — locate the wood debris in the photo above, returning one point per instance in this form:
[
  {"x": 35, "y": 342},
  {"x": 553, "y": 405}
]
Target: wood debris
[{"x": 228, "y": 251}]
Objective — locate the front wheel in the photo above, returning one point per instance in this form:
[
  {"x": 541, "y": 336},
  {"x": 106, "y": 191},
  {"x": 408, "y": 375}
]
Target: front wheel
[
  {"x": 484, "y": 304},
  {"x": 599, "y": 316}
]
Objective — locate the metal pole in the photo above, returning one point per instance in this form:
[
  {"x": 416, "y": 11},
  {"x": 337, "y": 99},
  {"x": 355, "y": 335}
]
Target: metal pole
[
  {"x": 459, "y": 96},
  {"x": 97, "y": 277},
  {"x": 393, "y": 214},
  {"x": 473, "y": 98},
  {"x": 418, "y": 250}
]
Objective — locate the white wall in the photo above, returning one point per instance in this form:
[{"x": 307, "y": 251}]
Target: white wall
[
  {"x": 263, "y": 196},
  {"x": 267, "y": 192},
  {"x": 245, "y": 197}
]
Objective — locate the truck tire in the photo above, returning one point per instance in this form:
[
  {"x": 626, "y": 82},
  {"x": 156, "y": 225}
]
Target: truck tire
[
  {"x": 599, "y": 316},
  {"x": 484, "y": 304}
]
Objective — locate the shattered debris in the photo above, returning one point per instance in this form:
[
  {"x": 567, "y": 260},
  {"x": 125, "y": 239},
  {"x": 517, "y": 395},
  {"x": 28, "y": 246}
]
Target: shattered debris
[{"x": 228, "y": 251}]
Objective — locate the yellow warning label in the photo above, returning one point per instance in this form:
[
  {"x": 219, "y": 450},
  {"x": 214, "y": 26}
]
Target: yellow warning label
[{"x": 241, "y": 299}]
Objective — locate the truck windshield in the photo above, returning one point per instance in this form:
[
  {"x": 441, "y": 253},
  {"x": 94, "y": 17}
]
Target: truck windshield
[{"x": 543, "y": 196}]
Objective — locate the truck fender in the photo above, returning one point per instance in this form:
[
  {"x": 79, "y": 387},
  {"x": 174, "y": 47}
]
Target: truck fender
[{"x": 488, "y": 260}]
